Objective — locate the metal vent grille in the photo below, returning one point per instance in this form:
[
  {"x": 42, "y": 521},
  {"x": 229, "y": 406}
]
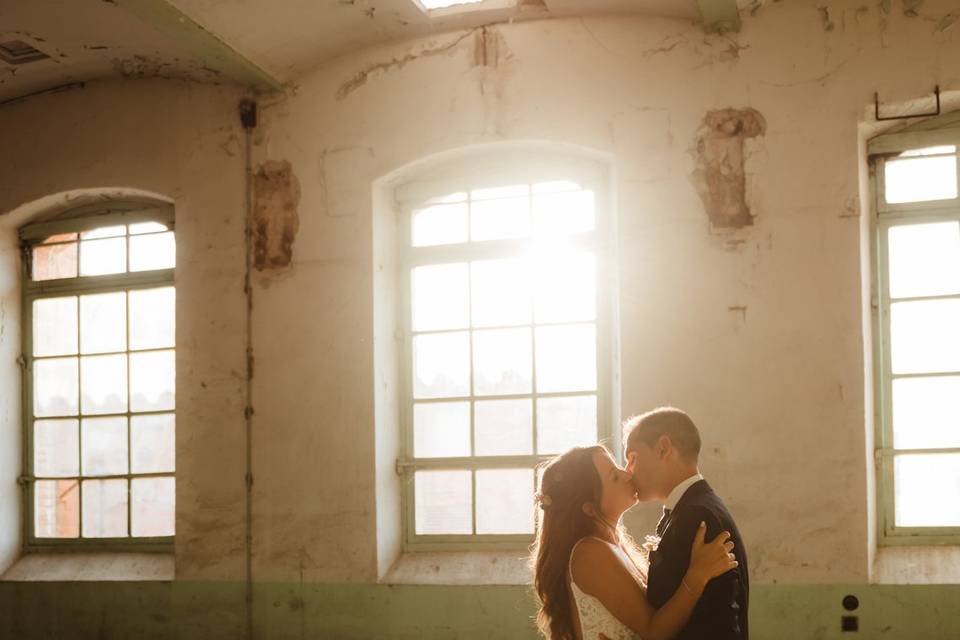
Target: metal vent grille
[{"x": 20, "y": 52}]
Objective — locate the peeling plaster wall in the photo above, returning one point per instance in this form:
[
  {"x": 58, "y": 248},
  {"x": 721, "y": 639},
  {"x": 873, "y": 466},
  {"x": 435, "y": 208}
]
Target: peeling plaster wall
[
  {"x": 760, "y": 342},
  {"x": 757, "y": 330},
  {"x": 176, "y": 140}
]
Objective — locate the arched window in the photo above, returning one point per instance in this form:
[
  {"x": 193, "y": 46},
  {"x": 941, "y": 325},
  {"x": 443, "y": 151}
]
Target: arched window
[
  {"x": 506, "y": 282},
  {"x": 99, "y": 383}
]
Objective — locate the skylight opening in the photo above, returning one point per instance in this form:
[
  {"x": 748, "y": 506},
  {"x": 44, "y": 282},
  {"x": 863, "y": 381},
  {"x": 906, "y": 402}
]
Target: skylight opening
[
  {"x": 443, "y": 4},
  {"x": 443, "y": 8}
]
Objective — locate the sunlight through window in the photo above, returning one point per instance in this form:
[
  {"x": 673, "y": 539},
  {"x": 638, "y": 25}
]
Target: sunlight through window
[{"x": 503, "y": 351}]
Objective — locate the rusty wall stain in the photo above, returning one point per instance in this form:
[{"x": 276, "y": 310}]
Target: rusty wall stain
[
  {"x": 275, "y": 217},
  {"x": 719, "y": 176}
]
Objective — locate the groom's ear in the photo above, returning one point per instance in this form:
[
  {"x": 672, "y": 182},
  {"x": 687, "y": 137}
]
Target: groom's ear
[{"x": 664, "y": 444}]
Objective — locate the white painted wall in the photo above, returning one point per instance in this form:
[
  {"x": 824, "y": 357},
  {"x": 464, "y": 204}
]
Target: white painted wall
[
  {"x": 181, "y": 142},
  {"x": 778, "y": 390},
  {"x": 10, "y": 425}
]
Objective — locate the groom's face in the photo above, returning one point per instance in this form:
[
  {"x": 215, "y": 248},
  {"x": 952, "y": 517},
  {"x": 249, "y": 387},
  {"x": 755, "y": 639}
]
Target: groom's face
[{"x": 642, "y": 463}]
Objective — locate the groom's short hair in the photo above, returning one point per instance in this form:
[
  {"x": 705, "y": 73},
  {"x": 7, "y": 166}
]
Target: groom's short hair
[{"x": 665, "y": 421}]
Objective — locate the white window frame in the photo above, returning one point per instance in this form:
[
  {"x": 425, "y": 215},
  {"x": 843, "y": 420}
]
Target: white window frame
[
  {"x": 80, "y": 219},
  {"x": 939, "y": 131},
  {"x": 466, "y": 176}
]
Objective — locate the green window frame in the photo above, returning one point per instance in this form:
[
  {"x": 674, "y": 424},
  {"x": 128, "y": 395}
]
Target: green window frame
[
  {"x": 590, "y": 175},
  {"x": 942, "y": 132},
  {"x": 77, "y": 221}
]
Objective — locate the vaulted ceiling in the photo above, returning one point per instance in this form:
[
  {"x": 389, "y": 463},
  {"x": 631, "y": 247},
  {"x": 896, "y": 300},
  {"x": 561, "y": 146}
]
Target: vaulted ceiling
[{"x": 261, "y": 43}]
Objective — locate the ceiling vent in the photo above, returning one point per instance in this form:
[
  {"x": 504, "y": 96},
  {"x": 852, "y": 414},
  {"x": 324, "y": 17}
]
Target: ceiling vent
[{"x": 20, "y": 52}]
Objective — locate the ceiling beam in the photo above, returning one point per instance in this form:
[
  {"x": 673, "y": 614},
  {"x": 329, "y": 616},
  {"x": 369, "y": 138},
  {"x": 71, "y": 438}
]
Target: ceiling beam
[
  {"x": 719, "y": 16},
  {"x": 210, "y": 49}
]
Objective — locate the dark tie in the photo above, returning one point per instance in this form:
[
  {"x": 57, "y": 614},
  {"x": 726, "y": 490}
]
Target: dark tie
[{"x": 663, "y": 521}]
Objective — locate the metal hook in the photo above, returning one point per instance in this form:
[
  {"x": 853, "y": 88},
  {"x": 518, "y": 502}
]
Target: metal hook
[{"x": 876, "y": 104}]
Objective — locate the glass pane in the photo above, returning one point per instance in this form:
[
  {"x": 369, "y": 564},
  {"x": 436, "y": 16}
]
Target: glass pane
[
  {"x": 441, "y": 365},
  {"x": 55, "y": 326},
  {"x": 152, "y": 381},
  {"x": 924, "y": 336},
  {"x": 500, "y": 291},
  {"x": 503, "y": 427},
  {"x": 505, "y": 501},
  {"x": 152, "y": 318},
  {"x": 921, "y": 179},
  {"x": 104, "y": 444},
  {"x": 55, "y": 261},
  {"x": 100, "y": 257},
  {"x": 55, "y": 387},
  {"x": 56, "y": 448},
  {"x": 566, "y": 422},
  {"x": 500, "y": 219},
  {"x": 147, "y": 227},
  {"x": 56, "y": 508},
  {"x": 103, "y": 384},
  {"x": 60, "y": 237},
  {"x": 104, "y": 508},
  {"x": 502, "y": 362},
  {"x": 155, "y": 251},
  {"x": 566, "y": 358},
  {"x": 441, "y": 429},
  {"x": 103, "y": 322},
  {"x": 926, "y": 490},
  {"x": 507, "y": 191},
  {"x": 443, "y": 502},
  {"x": 565, "y": 286},
  {"x": 926, "y": 413},
  {"x": 564, "y": 213},
  {"x": 924, "y": 259},
  {"x": 440, "y": 224},
  {"x": 103, "y": 232},
  {"x": 152, "y": 507},
  {"x": 153, "y": 443},
  {"x": 440, "y": 297},
  {"x": 555, "y": 186}
]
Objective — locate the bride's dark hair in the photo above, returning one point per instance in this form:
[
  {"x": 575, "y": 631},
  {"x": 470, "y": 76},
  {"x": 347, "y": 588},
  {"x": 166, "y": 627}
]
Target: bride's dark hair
[{"x": 569, "y": 482}]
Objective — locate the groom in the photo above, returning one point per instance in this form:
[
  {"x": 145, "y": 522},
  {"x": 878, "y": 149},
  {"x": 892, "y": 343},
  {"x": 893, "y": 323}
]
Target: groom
[{"x": 661, "y": 448}]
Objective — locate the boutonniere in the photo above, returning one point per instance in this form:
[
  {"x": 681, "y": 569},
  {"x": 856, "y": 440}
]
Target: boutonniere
[{"x": 650, "y": 545}]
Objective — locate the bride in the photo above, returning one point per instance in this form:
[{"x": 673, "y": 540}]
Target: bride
[{"x": 589, "y": 576}]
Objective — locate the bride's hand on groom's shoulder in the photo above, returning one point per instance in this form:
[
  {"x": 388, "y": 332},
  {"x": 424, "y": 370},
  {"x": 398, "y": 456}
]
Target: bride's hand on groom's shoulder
[{"x": 710, "y": 559}]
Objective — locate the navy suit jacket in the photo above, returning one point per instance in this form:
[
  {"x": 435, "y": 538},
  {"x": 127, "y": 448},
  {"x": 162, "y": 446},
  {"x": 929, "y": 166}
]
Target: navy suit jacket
[{"x": 721, "y": 613}]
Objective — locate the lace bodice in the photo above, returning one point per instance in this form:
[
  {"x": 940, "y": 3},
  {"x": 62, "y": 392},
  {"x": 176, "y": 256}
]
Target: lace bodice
[{"x": 594, "y": 617}]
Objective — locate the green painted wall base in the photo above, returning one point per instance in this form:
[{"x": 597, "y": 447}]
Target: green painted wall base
[{"x": 209, "y": 611}]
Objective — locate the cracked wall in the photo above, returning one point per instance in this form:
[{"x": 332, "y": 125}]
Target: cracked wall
[
  {"x": 275, "y": 215},
  {"x": 720, "y": 176}
]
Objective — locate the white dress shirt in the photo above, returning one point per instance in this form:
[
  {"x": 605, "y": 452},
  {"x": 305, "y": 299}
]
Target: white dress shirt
[{"x": 679, "y": 490}]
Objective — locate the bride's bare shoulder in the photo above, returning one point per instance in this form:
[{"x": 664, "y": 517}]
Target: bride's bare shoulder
[{"x": 592, "y": 562}]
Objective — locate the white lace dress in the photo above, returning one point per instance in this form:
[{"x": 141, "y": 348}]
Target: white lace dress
[{"x": 594, "y": 617}]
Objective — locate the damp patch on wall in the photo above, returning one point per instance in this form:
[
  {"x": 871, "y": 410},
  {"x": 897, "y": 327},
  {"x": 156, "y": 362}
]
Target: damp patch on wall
[
  {"x": 275, "y": 217},
  {"x": 720, "y": 175}
]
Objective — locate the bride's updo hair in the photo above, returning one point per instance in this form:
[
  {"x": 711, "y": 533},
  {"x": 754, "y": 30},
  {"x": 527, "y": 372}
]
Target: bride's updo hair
[{"x": 569, "y": 482}]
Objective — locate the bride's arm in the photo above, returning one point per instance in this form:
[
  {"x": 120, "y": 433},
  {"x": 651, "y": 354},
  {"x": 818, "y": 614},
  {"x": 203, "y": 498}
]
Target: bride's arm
[{"x": 599, "y": 572}]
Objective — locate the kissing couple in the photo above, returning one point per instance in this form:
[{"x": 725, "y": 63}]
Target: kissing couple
[{"x": 593, "y": 582}]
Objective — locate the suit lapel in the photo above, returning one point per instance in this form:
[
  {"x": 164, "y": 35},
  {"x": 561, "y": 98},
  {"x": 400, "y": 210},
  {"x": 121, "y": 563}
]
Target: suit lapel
[{"x": 698, "y": 488}]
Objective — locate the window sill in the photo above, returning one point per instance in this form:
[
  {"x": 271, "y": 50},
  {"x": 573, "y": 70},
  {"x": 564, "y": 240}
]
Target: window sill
[
  {"x": 460, "y": 568},
  {"x": 917, "y": 565},
  {"x": 86, "y": 566}
]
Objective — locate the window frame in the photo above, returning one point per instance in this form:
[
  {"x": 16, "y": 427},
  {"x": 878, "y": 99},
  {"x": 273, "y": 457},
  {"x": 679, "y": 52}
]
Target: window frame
[
  {"x": 936, "y": 132},
  {"x": 590, "y": 174},
  {"x": 79, "y": 219}
]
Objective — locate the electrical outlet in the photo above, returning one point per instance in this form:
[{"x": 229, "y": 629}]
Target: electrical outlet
[{"x": 849, "y": 623}]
